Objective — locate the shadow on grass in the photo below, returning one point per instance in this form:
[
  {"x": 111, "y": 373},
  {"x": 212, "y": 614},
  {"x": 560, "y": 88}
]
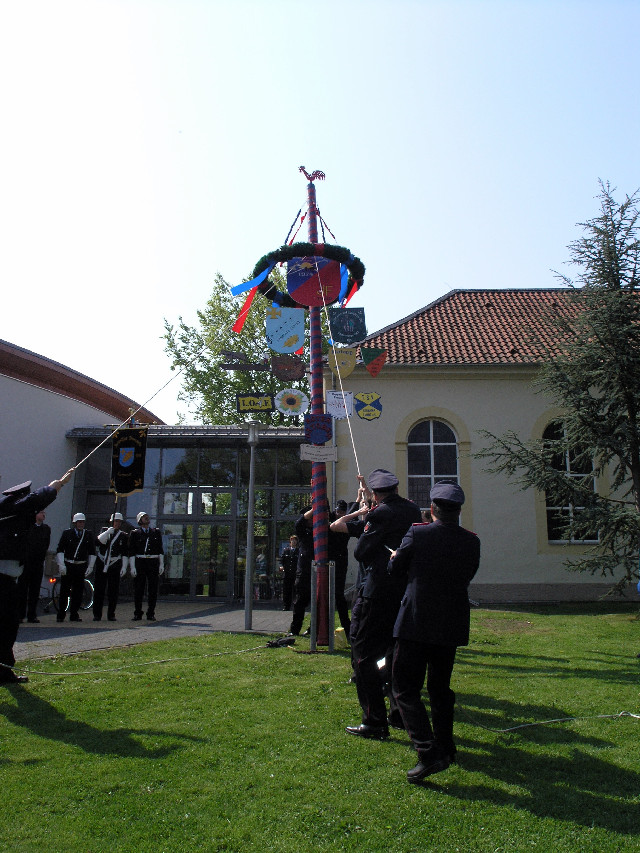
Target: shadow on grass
[
  {"x": 625, "y": 671},
  {"x": 577, "y": 787},
  {"x": 46, "y": 721}
]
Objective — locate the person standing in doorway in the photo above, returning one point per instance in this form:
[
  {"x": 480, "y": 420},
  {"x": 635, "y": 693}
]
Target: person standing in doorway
[
  {"x": 288, "y": 566},
  {"x": 30, "y": 581}
]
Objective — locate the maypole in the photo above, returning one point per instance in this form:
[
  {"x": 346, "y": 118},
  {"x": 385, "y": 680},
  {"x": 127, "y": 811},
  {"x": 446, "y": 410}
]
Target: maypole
[{"x": 318, "y": 469}]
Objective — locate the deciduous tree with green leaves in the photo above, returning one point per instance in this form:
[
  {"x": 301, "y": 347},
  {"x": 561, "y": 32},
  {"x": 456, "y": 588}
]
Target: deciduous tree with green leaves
[
  {"x": 208, "y": 389},
  {"x": 593, "y": 372}
]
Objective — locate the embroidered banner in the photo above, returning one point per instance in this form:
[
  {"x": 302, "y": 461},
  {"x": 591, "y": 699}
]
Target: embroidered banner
[
  {"x": 347, "y": 325},
  {"x": 285, "y": 329},
  {"x": 127, "y": 460},
  {"x": 339, "y": 405},
  {"x": 313, "y": 281},
  {"x": 368, "y": 406}
]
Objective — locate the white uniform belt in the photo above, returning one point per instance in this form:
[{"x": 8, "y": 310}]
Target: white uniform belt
[
  {"x": 76, "y": 562},
  {"x": 147, "y": 556}
]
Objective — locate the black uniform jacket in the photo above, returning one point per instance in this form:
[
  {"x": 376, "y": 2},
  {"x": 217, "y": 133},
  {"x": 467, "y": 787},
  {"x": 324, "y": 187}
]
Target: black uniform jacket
[
  {"x": 37, "y": 543},
  {"x": 441, "y": 559},
  {"x": 138, "y": 542},
  {"x": 119, "y": 543},
  {"x": 76, "y": 547},
  {"x": 385, "y": 526},
  {"x": 16, "y": 516}
]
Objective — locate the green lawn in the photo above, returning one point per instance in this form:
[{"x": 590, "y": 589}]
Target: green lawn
[{"x": 220, "y": 743}]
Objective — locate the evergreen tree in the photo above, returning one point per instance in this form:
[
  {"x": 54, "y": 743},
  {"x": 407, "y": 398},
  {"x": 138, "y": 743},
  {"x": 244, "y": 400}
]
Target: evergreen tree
[{"x": 593, "y": 372}]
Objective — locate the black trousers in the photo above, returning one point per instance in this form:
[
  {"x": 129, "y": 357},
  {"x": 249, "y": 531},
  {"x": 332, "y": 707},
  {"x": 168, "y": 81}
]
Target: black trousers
[
  {"x": 411, "y": 663},
  {"x": 29, "y": 584},
  {"x": 71, "y": 585},
  {"x": 9, "y": 621},
  {"x": 371, "y": 640},
  {"x": 108, "y": 582},
  {"x": 146, "y": 576},
  {"x": 301, "y": 599},
  {"x": 288, "y": 582}
]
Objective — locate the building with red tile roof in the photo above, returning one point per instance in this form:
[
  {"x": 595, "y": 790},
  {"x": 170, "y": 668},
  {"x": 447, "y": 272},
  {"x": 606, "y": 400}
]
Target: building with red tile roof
[{"x": 461, "y": 366}]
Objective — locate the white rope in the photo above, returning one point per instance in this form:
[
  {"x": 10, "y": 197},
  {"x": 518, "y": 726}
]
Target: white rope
[{"x": 548, "y": 722}]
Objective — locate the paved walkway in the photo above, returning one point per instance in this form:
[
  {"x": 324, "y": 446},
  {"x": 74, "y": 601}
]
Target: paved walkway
[{"x": 175, "y": 619}]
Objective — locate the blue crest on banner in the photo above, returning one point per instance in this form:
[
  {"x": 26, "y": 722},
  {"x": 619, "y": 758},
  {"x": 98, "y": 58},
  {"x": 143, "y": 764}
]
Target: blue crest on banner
[
  {"x": 317, "y": 428},
  {"x": 367, "y": 405},
  {"x": 126, "y": 456},
  {"x": 285, "y": 329}
]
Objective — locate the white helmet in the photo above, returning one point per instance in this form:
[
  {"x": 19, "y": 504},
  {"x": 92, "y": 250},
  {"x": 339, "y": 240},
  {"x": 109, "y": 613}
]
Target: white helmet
[
  {"x": 140, "y": 515},
  {"x": 79, "y": 516},
  {"x": 117, "y": 516}
]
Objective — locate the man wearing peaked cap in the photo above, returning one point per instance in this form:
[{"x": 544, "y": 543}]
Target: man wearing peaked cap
[
  {"x": 18, "y": 508},
  {"x": 440, "y": 560},
  {"x": 376, "y": 606}
]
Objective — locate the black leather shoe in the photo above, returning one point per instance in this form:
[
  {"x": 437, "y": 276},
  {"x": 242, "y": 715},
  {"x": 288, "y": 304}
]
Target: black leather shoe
[
  {"x": 97, "y": 618},
  {"x": 59, "y": 618},
  {"x": 136, "y": 618},
  {"x": 151, "y": 618},
  {"x": 12, "y": 678},
  {"x": 373, "y": 732},
  {"x": 427, "y": 768},
  {"x": 34, "y": 621},
  {"x": 75, "y": 618},
  {"x": 112, "y": 618}
]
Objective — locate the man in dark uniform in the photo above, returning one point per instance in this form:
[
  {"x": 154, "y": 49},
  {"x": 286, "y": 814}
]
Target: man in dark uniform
[
  {"x": 440, "y": 558},
  {"x": 379, "y": 598},
  {"x": 18, "y": 506},
  {"x": 111, "y": 565},
  {"x": 338, "y": 551},
  {"x": 30, "y": 581},
  {"x": 76, "y": 555},
  {"x": 288, "y": 566},
  {"x": 146, "y": 559},
  {"x": 302, "y": 585}
]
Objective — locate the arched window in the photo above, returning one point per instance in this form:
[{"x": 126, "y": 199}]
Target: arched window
[
  {"x": 574, "y": 465},
  {"x": 432, "y": 452}
]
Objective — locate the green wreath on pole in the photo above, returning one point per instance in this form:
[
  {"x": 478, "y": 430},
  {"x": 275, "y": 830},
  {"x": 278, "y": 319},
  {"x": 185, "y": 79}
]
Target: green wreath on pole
[{"x": 304, "y": 250}]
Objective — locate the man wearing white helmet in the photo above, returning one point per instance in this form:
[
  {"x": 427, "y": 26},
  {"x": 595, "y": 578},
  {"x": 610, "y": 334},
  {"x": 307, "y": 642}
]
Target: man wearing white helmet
[
  {"x": 146, "y": 559},
  {"x": 111, "y": 565},
  {"x": 76, "y": 554}
]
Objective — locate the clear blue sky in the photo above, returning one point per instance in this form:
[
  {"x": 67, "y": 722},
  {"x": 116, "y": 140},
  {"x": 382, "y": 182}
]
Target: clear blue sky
[{"x": 148, "y": 144}]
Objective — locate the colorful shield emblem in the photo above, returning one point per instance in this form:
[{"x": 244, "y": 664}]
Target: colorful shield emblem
[
  {"x": 287, "y": 367},
  {"x": 313, "y": 281},
  {"x": 291, "y": 402},
  {"x": 373, "y": 359},
  {"x": 368, "y": 406},
  {"x": 126, "y": 456},
  {"x": 347, "y": 325},
  {"x": 285, "y": 329},
  {"x": 342, "y": 360},
  {"x": 317, "y": 428}
]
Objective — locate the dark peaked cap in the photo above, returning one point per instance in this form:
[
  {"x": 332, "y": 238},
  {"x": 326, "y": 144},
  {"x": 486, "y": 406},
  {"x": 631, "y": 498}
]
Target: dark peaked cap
[
  {"x": 18, "y": 491},
  {"x": 450, "y": 492},
  {"x": 379, "y": 479}
]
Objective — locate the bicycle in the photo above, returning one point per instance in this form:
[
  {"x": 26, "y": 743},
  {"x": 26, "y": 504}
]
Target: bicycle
[{"x": 87, "y": 595}]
